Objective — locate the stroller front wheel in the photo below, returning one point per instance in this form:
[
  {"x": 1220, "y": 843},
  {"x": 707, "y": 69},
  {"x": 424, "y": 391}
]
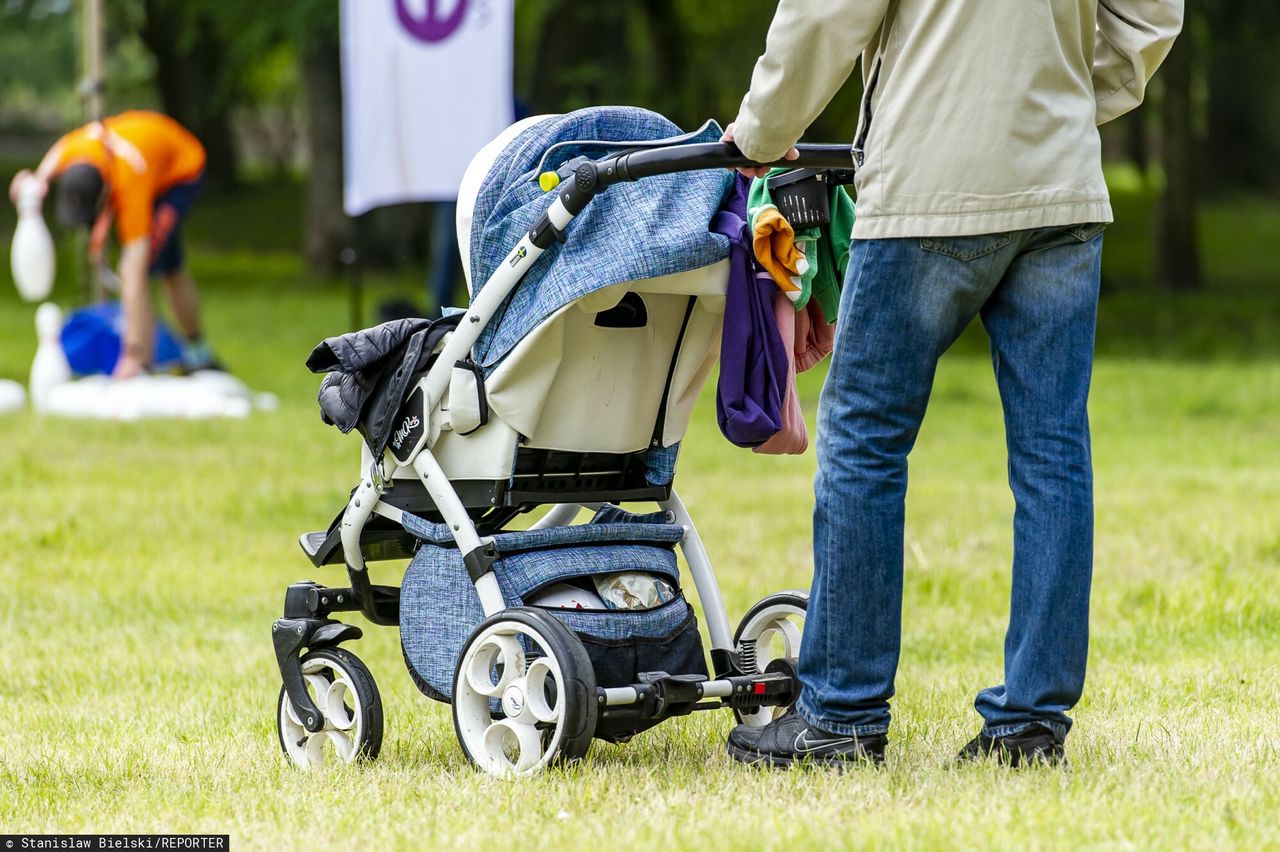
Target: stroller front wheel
[
  {"x": 770, "y": 630},
  {"x": 344, "y": 690},
  {"x": 524, "y": 694}
]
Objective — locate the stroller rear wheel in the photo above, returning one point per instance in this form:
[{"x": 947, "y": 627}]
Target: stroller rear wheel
[
  {"x": 770, "y": 630},
  {"x": 524, "y": 694},
  {"x": 343, "y": 689}
]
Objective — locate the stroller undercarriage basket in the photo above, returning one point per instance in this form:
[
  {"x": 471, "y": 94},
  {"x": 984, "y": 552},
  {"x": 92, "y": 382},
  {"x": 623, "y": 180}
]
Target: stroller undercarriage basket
[{"x": 439, "y": 607}]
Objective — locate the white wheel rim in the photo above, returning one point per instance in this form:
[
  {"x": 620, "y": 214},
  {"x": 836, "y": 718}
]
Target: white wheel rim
[
  {"x": 781, "y": 623},
  {"x": 331, "y": 688},
  {"x": 529, "y": 692}
]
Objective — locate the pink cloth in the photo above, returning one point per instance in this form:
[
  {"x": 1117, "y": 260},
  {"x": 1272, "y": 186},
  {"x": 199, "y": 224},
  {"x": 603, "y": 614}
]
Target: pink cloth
[
  {"x": 793, "y": 437},
  {"x": 814, "y": 338},
  {"x": 808, "y": 339}
]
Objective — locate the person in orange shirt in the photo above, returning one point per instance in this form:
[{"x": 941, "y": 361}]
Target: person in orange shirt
[{"x": 143, "y": 170}]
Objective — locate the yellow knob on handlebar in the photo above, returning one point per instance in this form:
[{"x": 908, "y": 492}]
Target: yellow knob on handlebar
[{"x": 548, "y": 181}]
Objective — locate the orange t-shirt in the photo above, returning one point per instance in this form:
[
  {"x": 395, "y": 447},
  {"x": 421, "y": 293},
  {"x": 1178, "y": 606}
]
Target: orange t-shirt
[{"x": 141, "y": 155}]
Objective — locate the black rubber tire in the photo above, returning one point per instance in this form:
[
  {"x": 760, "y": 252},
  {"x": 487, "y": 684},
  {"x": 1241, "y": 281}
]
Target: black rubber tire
[
  {"x": 580, "y": 708},
  {"x": 795, "y": 597},
  {"x": 366, "y": 690},
  {"x": 792, "y": 597}
]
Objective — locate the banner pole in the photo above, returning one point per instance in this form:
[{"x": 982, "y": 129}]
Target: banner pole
[
  {"x": 94, "y": 48},
  {"x": 91, "y": 86}
]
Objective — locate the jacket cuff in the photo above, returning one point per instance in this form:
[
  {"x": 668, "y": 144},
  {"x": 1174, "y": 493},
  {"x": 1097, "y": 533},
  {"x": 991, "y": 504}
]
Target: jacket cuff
[{"x": 753, "y": 138}]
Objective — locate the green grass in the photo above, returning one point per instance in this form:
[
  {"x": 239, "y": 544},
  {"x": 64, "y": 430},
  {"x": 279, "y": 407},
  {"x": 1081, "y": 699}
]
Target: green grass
[{"x": 142, "y": 565}]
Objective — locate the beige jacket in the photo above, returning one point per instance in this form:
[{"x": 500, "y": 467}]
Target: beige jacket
[{"x": 978, "y": 116}]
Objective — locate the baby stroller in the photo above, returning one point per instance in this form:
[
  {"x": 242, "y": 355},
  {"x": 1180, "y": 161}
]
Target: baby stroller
[{"x": 530, "y": 682}]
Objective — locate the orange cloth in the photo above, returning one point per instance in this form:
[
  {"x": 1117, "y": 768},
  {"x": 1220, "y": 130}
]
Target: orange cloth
[
  {"x": 774, "y": 242},
  {"x": 141, "y": 155}
]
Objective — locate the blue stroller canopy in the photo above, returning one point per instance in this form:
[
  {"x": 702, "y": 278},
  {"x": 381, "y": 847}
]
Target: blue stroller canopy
[{"x": 654, "y": 227}]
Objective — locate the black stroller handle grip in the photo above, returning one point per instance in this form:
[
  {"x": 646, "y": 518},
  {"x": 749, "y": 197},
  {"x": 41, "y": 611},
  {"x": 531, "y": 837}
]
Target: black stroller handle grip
[
  {"x": 714, "y": 155},
  {"x": 594, "y": 176}
]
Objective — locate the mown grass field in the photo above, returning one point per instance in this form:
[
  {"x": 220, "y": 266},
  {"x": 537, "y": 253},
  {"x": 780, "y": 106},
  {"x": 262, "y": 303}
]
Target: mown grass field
[{"x": 141, "y": 566}]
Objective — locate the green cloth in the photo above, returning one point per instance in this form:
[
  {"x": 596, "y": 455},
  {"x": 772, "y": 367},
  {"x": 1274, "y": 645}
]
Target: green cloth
[{"x": 826, "y": 248}]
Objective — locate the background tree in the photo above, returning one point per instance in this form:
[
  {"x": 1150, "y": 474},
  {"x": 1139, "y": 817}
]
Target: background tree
[
  {"x": 1177, "y": 243},
  {"x": 195, "y": 77},
  {"x": 1239, "y": 78}
]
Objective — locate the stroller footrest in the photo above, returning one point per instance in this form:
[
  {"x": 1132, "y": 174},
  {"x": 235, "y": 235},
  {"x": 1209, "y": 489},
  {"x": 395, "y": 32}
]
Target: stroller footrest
[
  {"x": 312, "y": 542},
  {"x": 325, "y": 548}
]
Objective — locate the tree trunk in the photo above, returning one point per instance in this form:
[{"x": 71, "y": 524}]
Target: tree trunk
[
  {"x": 1242, "y": 116},
  {"x": 327, "y": 229},
  {"x": 1177, "y": 249},
  {"x": 193, "y": 81},
  {"x": 1139, "y": 143}
]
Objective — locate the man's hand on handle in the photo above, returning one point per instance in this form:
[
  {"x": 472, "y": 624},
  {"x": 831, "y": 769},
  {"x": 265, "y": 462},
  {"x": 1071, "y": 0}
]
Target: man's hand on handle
[{"x": 756, "y": 171}]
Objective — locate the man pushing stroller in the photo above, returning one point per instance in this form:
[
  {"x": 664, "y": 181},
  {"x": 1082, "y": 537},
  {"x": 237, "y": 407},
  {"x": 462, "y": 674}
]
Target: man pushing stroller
[{"x": 980, "y": 194}]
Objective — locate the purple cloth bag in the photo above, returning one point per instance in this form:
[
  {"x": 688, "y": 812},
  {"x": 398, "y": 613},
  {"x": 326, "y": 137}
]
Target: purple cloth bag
[{"x": 753, "y": 361}]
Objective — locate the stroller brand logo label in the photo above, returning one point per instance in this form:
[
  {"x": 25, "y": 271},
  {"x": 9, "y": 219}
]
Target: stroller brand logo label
[
  {"x": 412, "y": 430},
  {"x": 410, "y": 423},
  {"x": 518, "y": 255}
]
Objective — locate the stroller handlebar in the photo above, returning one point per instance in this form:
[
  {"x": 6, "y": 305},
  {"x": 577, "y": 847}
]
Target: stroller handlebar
[
  {"x": 590, "y": 177},
  {"x": 634, "y": 165}
]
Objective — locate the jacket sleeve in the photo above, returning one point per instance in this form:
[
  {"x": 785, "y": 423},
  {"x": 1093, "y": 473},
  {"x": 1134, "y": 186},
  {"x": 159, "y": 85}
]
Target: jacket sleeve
[
  {"x": 810, "y": 50},
  {"x": 1133, "y": 38}
]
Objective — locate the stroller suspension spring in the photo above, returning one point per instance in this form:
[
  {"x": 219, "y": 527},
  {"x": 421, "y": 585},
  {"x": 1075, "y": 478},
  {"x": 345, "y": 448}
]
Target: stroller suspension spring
[{"x": 747, "y": 656}]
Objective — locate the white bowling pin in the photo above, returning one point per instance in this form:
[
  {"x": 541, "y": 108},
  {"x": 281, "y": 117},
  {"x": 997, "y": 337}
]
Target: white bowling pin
[
  {"x": 13, "y": 396},
  {"x": 49, "y": 368},
  {"x": 31, "y": 256}
]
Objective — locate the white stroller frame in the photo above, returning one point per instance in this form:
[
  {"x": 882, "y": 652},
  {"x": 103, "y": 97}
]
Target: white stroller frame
[{"x": 338, "y": 680}]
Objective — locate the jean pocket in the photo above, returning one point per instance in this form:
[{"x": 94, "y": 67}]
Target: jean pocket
[
  {"x": 1086, "y": 231},
  {"x": 966, "y": 248}
]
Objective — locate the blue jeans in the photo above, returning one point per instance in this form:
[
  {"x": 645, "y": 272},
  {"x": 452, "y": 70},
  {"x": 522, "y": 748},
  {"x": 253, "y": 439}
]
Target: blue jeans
[{"x": 905, "y": 301}]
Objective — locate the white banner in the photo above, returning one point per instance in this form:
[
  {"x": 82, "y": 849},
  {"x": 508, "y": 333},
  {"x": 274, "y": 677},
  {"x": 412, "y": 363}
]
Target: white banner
[{"x": 425, "y": 84}]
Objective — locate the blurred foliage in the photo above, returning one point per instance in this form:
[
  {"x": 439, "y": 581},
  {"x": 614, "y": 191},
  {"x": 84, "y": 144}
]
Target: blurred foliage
[
  {"x": 37, "y": 92},
  {"x": 257, "y": 77},
  {"x": 688, "y": 59},
  {"x": 1242, "y": 78}
]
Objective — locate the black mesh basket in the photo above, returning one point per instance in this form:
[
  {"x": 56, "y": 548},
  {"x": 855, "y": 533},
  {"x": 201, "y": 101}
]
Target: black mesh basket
[{"x": 802, "y": 194}]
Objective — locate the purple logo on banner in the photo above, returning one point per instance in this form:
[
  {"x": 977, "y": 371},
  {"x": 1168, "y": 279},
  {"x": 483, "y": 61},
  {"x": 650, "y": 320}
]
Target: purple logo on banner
[{"x": 429, "y": 25}]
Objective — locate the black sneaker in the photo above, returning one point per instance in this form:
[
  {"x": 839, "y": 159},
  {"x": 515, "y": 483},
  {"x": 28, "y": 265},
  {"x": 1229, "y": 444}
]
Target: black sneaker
[
  {"x": 1035, "y": 744},
  {"x": 790, "y": 740}
]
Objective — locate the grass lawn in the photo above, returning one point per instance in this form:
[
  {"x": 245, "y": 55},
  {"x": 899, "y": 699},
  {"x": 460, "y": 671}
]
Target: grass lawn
[{"x": 143, "y": 564}]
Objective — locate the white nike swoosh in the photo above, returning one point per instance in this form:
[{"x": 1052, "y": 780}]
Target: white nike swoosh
[{"x": 803, "y": 744}]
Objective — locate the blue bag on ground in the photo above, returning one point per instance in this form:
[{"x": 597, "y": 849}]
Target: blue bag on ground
[{"x": 91, "y": 339}]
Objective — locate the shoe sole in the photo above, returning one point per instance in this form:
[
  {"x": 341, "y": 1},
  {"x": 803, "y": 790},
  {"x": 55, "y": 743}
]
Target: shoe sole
[
  {"x": 825, "y": 761},
  {"x": 1009, "y": 760}
]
